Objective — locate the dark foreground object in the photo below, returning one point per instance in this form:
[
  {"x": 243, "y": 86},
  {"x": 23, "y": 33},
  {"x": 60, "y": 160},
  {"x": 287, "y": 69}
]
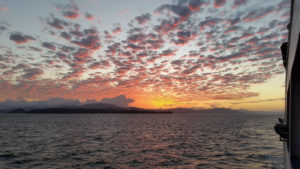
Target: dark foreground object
[
  {"x": 88, "y": 111},
  {"x": 283, "y": 131}
]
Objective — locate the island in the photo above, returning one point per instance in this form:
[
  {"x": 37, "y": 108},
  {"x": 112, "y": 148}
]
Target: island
[{"x": 87, "y": 111}]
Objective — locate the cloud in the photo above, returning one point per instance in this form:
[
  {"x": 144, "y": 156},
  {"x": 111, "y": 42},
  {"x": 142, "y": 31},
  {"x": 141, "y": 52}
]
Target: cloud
[
  {"x": 67, "y": 49},
  {"x": 120, "y": 100},
  {"x": 101, "y": 64},
  {"x": 2, "y": 28},
  {"x": 261, "y": 101},
  {"x": 124, "y": 12},
  {"x": 136, "y": 38},
  {"x": 258, "y": 13},
  {"x": 191, "y": 69},
  {"x": 168, "y": 52},
  {"x": 49, "y": 45},
  {"x": 182, "y": 11},
  {"x": 88, "y": 16},
  {"x": 32, "y": 73},
  {"x": 36, "y": 49},
  {"x": 117, "y": 30},
  {"x": 75, "y": 73},
  {"x": 76, "y": 30},
  {"x": 20, "y": 39},
  {"x": 81, "y": 53},
  {"x": 184, "y": 34},
  {"x": 65, "y": 35},
  {"x": 219, "y": 3},
  {"x": 69, "y": 10},
  {"x": 210, "y": 22},
  {"x": 89, "y": 39},
  {"x": 224, "y": 56},
  {"x": 195, "y": 5},
  {"x": 20, "y": 66},
  {"x": 183, "y": 37},
  {"x": 142, "y": 19},
  {"x": 233, "y": 29},
  {"x": 57, "y": 23},
  {"x": 89, "y": 42},
  {"x": 235, "y": 96},
  {"x": 95, "y": 65},
  {"x": 238, "y": 3}
]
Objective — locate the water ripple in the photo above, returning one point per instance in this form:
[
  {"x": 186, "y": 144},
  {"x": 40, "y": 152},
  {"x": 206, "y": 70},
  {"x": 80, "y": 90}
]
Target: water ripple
[{"x": 139, "y": 141}]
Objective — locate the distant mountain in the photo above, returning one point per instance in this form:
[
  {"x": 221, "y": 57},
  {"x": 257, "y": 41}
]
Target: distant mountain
[
  {"x": 101, "y": 106},
  {"x": 3, "y": 111},
  {"x": 221, "y": 110},
  {"x": 86, "y": 111},
  {"x": 214, "y": 110},
  {"x": 94, "y": 108},
  {"x": 263, "y": 112},
  {"x": 104, "y": 108},
  {"x": 184, "y": 110}
]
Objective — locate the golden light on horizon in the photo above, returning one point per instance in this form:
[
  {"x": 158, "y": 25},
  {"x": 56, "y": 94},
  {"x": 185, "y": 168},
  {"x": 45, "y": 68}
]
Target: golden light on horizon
[{"x": 163, "y": 103}]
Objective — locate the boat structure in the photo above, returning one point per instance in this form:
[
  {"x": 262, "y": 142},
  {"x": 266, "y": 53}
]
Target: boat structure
[{"x": 289, "y": 127}]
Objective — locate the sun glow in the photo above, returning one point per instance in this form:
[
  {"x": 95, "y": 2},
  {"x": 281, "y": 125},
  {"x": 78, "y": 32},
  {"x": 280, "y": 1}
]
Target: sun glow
[{"x": 163, "y": 103}]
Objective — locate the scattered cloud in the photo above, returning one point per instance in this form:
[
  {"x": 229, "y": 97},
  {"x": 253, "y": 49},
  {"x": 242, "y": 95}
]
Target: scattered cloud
[
  {"x": 238, "y": 3},
  {"x": 258, "y": 13},
  {"x": 57, "y": 23},
  {"x": 20, "y": 38},
  {"x": 69, "y": 10},
  {"x": 32, "y": 73},
  {"x": 219, "y": 3},
  {"x": 120, "y": 100},
  {"x": 49, "y": 45},
  {"x": 88, "y": 16},
  {"x": 142, "y": 19},
  {"x": 192, "y": 49}
]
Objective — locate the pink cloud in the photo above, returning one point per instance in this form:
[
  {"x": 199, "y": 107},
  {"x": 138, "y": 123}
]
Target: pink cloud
[
  {"x": 69, "y": 10},
  {"x": 219, "y": 3},
  {"x": 20, "y": 39},
  {"x": 124, "y": 12},
  {"x": 238, "y": 3},
  {"x": 3, "y": 9},
  {"x": 88, "y": 16},
  {"x": 258, "y": 14}
]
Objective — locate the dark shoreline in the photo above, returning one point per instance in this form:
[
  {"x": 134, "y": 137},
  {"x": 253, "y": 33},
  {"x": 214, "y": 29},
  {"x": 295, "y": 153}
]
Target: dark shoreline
[{"x": 86, "y": 111}]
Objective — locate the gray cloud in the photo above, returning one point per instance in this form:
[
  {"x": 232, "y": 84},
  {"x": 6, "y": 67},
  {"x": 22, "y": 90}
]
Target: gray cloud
[
  {"x": 121, "y": 101},
  {"x": 52, "y": 102},
  {"x": 20, "y": 39},
  {"x": 142, "y": 19},
  {"x": 49, "y": 45},
  {"x": 57, "y": 23}
]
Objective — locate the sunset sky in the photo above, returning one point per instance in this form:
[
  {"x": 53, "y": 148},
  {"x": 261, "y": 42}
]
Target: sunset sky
[{"x": 151, "y": 53}]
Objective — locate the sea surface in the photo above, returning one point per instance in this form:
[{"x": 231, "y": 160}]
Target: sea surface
[{"x": 216, "y": 140}]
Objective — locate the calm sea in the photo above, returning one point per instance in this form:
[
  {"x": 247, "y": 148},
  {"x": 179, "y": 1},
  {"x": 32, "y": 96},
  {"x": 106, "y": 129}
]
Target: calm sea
[{"x": 139, "y": 141}]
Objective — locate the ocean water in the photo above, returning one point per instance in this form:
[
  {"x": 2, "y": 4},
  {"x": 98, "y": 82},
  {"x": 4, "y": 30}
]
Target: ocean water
[{"x": 139, "y": 141}]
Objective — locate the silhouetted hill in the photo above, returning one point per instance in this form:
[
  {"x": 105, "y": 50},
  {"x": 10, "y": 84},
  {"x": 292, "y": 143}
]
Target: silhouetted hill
[
  {"x": 19, "y": 110},
  {"x": 92, "y": 111},
  {"x": 184, "y": 110},
  {"x": 3, "y": 111},
  {"x": 214, "y": 110},
  {"x": 102, "y": 106}
]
